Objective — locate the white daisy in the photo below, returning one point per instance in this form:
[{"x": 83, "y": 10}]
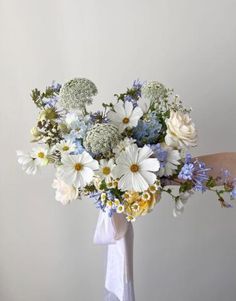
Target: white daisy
[
  {"x": 125, "y": 115},
  {"x": 103, "y": 197},
  {"x": 41, "y": 153},
  {"x": 146, "y": 195},
  {"x": 120, "y": 208},
  {"x": 29, "y": 164},
  {"x": 77, "y": 170},
  {"x": 135, "y": 169},
  {"x": 66, "y": 147},
  {"x": 105, "y": 170},
  {"x": 121, "y": 146}
]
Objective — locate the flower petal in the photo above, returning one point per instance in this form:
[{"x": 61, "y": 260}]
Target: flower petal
[{"x": 151, "y": 164}]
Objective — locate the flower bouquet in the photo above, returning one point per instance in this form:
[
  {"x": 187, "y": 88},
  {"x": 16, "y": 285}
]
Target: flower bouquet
[{"x": 123, "y": 156}]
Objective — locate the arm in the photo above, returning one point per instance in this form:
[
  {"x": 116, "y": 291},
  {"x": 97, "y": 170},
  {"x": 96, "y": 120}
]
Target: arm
[{"x": 220, "y": 161}]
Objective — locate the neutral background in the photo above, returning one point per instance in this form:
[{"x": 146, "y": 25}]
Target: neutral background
[{"x": 46, "y": 250}]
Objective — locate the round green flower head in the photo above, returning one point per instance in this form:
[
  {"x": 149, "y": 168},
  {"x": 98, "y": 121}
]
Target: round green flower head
[
  {"x": 153, "y": 90},
  {"x": 77, "y": 93},
  {"x": 102, "y": 138}
]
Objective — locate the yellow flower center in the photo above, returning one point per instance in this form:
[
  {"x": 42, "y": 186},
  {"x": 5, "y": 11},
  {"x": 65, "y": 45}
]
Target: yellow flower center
[
  {"x": 126, "y": 120},
  {"x": 106, "y": 170},
  {"x": 134, "y": 168},
  {"x": 41, "y": 155},
  {"x": 146, "y": 196},
  {"x": 65, "y": 148},
  {"x": 78, "y": 166}
]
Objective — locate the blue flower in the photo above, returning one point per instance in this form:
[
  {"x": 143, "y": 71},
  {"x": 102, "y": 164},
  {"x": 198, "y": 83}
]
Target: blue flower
[
  {"x": 195, "y": 171},
  {"x": 147, "y": 131},
  {"x": 137, "y": 85},
  {"x": 50, "y": 102},
  {"x": 56, "y": 87},
  {"x": 233, "y": 192},
  {"x": 98, "y": 117},
  {"x": 79, "y": 147},
  {"x": 160, "y": 153}
]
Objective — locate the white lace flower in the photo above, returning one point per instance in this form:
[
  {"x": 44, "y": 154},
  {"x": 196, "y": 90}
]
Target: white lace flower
[
  {"x": 29, "y": 164},
  {"x": 125, "y": 115},
  {"x": 105, "y": 169},
  {"x": 66, "y": 147},
  {"x": 41, "y": 153},
  {"x": 121, "y": 146},
  {"x": 77, "y": 170},
  {"x": 135, "y": 169},
  {"x": 64, "y": 193}
]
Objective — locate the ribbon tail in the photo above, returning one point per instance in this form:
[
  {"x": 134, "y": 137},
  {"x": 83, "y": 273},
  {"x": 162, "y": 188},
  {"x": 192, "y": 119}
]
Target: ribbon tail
[
  {"x": 119, "y": 275},
  {"x": 118, "y": 234}
]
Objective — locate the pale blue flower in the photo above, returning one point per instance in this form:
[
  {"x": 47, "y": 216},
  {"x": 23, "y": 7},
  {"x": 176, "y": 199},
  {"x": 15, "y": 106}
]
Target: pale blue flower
[
  {"x": 195, "y": 171},
  {"x": 56, "y": 86},
  {"x": 160, "y": 153},
  {"x": 233, "y": 192},
  {"x": 147, "y": 131}
]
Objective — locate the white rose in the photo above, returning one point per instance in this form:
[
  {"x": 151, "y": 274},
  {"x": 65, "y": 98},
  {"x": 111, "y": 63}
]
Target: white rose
[
  {"x": 181, "y": 131},
  {"x": 64, "y": 192}
]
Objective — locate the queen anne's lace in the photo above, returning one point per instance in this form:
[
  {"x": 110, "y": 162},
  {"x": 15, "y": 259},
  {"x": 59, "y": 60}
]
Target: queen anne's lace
[
  {"x": 77, "y": 93},
  {"x": 153, "y": 90},
  {"x": 102, "y": 138}
]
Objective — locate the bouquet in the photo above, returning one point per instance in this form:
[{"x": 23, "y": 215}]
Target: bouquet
[{"x": 124, "y": 156}]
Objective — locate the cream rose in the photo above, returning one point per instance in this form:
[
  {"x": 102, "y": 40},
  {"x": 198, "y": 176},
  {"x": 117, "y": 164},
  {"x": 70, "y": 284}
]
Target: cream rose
[
  {"x": 181, "y": 131},
  {"x": 64, "y": 192}
]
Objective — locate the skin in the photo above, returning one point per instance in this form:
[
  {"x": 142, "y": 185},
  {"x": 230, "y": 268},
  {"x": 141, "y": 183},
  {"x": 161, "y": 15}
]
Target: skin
[{"x": 220, "y": 161}]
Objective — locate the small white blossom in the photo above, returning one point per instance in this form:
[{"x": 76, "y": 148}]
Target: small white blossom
[
  {"x": 29, "y": 164},
  {"x": 64, "y": 193},
  {"x": 125, "y": 115}
]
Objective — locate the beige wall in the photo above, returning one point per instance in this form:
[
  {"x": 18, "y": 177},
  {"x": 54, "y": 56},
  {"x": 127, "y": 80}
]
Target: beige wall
[{"x": 46, "y": 250}]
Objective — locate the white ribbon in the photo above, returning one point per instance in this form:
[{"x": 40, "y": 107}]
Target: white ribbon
[{"x": 117, "y": 233}]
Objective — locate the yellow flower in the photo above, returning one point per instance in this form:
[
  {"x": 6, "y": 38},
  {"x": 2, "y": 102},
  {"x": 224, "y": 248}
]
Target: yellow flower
[{"x": 140, "y": 204}]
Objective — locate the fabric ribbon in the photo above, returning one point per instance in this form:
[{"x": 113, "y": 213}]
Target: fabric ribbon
[{"x": 117, "y": 233}]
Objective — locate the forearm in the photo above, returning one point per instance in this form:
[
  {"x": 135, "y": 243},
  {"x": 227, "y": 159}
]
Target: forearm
[{"x": 219, "y": 162}]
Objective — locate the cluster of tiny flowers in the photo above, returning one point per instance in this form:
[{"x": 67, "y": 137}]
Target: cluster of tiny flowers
[
  {"x": 102, "y": 138},
  {"x": 153, "y": 90},
  {"x": 147, "y": 131},
  {"x": 77, "y": 94}
]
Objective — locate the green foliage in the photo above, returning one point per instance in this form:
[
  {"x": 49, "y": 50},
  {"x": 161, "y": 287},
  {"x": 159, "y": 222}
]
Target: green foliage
[
  {"x": 185, "y": 186},
  {"x": 37, "y": 99},
  {"x": 38, "y": 96}
]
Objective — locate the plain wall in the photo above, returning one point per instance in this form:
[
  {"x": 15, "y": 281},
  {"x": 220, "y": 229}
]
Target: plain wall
[{"x": 46, "y": 250}]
